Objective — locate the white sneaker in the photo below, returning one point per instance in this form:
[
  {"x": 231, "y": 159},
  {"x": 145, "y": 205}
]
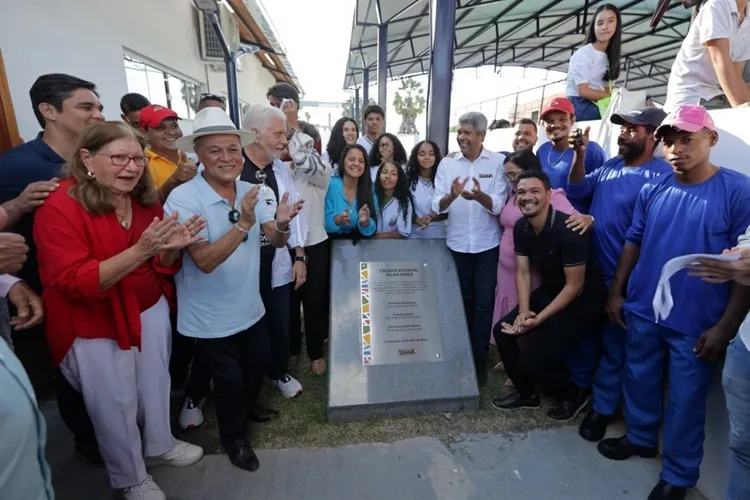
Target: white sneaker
[
  {"x": 182, "y": 455},
  {"x": 146, "y": 490},
  {"x": 191, "y": 415},
  {"x": 288, "y": 385}
]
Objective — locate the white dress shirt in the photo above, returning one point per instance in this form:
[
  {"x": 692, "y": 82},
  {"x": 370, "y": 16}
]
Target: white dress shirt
[
  {"x": 471, "y": 227},
  {"x": 281, "y": 270}
]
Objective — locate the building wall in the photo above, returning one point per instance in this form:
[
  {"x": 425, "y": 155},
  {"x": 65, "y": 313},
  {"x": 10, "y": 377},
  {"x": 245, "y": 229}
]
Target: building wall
[{"x": 87, "y": 38}]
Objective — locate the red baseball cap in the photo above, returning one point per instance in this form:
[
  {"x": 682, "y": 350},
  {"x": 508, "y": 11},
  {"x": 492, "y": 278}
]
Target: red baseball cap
[
  {"x": 689, "y": 118},
  {"x": 153, "y": 115},
  {"x": 558, "y": 104}
]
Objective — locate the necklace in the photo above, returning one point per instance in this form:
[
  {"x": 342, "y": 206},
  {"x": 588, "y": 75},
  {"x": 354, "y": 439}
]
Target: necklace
[
  {"x": 123, "y": 219},
  {"x": 549, "y": 156}
]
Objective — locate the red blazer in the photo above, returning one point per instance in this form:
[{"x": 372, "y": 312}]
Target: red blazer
[{"x": 71, "y": 243}]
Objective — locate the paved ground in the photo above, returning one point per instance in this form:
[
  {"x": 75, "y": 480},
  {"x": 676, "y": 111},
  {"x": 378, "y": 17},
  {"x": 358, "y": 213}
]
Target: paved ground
[{"x": 540, "y": 464}]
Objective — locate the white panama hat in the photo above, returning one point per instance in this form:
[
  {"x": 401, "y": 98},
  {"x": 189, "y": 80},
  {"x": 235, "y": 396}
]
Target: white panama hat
[{"x": 213, "y": 121}]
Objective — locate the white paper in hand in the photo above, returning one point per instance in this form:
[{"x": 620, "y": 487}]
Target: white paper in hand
[{"x": 663, "y": 297}]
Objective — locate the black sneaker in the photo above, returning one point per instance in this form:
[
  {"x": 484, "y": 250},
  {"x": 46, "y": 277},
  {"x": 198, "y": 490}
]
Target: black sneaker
[
  {"x": 242, "y": 455},
  {"x": 594, "y": 426},
  {"x": 622, "y": 449},
  {"x": 665, "y": 491},
  {"x": 565, "y": 411},
  {"x": 514, "y": 401}
]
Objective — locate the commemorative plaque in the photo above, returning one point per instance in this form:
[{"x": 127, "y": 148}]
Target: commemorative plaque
[
  {"x": 399, "y": 343},
  {"x": 399, "y": 313}
]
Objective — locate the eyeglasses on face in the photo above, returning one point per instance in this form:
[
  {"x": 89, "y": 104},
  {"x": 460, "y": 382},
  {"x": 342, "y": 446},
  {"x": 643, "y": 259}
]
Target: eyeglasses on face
[{"x": 123, "y": 160}]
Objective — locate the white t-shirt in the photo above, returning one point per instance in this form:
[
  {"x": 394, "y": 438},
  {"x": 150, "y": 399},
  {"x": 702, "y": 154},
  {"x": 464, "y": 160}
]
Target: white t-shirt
[
  {"x": 587, "y": 65},
  {"x": 392, "y": 219},
  {"x": 422, "y": 197},
  {"x": 693, "y": 76},
  {"x": 366, "y": 143}
]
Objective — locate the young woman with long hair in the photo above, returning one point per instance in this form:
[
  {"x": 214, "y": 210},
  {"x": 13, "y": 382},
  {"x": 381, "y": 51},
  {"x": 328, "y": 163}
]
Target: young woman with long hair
[
  {"x": 350, "y": 210},
  {"x": 344, "y": 133},
  {"x": 386, "y": 148},
  {"x": 394, "y": 202},
  {"x": 595, "y": 66},
  {"x": 420, "y": 177}
]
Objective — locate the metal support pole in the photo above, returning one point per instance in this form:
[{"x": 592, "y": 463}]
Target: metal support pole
[
  {"x": 383, "y": 67},
  {"x": 356, "y": 105},
  {"x": 230, "y": 60},
  {"x": 515, "y": 111},
  {"x": 441, "y": 71},
  {"x": 541, "y": 105},
  {"x": 365, "y": 88}
]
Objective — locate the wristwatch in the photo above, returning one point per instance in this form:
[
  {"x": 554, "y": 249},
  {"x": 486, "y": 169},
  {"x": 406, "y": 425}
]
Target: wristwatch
[{"x": 302, "y": 259}]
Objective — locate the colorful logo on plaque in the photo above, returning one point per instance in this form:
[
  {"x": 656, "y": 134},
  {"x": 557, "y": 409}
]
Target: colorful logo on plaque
[{"x": 364, "y": 286}]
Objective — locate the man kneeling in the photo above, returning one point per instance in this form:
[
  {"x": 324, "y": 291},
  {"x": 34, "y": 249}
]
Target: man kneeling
[{"x": 550, "y": 320}]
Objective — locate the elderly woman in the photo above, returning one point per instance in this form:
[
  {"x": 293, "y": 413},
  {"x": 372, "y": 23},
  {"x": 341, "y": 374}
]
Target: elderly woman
[{"x": 105, "y": 252}]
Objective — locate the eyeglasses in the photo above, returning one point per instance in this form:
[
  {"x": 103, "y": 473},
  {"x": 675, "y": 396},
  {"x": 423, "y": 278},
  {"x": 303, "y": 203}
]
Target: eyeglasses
[
  {"x": 212, "y": 97},
  {"x": 123, "y": 160},
  {"x": 260, "y": 176},
  {"x": 385, "y": 145}
]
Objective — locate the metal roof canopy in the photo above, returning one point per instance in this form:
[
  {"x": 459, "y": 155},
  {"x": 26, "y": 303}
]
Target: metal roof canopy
[{"x": 531, "y": 33}]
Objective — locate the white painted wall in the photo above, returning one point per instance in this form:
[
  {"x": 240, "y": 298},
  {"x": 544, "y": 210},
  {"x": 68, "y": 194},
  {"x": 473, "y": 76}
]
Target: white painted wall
[{"x": 87, "y": 39}]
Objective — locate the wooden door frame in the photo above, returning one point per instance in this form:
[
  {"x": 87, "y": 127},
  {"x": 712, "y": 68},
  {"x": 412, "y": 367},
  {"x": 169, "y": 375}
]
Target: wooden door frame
[{"x": 9, "y": 137}]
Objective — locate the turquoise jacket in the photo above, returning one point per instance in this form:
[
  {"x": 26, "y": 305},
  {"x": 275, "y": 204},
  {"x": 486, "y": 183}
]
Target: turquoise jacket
[{"x": 336, "y": 203}]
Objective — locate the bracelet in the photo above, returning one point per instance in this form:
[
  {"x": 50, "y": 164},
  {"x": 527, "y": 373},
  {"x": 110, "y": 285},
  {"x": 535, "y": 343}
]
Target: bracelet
[
  {"x": 276, "y": 225},
  {"x": 240, "y": 228}
]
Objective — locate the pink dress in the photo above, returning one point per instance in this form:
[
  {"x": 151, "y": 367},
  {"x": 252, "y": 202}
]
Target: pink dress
[{"x": 506, "y": 297}]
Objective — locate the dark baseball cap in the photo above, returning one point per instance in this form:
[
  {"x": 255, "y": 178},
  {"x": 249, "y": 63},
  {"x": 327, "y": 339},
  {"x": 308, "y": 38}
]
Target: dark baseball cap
[{"x": 643, "y": 116}]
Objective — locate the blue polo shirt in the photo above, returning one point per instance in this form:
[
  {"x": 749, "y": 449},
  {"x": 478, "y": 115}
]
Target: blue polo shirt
[
  {"x": 227, "y": 300},
  {"x": 25, "y": 472},
  {"x": 336, "y": 203},
  {"x": 557, "y": 166},
  {"x": 614, "y": 188},
  {"x": 673, "y": 219},
  {"x": 30, "y": 162}
]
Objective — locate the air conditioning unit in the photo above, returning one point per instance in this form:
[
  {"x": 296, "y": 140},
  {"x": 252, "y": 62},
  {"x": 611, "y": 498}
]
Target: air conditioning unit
[{"x": 209, "y": 41}]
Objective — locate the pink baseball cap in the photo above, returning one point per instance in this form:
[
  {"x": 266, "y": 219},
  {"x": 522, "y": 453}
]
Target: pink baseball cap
[{"x": 688, "y": 118}]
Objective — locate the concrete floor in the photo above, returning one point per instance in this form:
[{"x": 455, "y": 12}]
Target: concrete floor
[{"x": 555, "y": 464}]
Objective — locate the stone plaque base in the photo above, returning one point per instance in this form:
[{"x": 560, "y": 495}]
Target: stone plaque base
[{"x": 357, "y": 390}]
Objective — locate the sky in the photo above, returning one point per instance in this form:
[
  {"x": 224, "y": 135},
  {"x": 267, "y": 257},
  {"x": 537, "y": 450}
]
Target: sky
[{"x": 316, "y": 36}]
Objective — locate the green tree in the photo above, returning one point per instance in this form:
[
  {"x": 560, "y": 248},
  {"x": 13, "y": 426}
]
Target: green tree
[
  {"x": 347, "y": 106},
  {"x": 409, "y": 103}
]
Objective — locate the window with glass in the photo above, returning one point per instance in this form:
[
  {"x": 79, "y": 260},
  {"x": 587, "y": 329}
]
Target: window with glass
[{"x": 161, "y": 87}]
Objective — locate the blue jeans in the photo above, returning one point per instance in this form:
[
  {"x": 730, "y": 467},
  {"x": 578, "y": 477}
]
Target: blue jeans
[
  {"x": 477, "y": 275},
  {"x": 736, "y": 381},
  {"x": 585, "y": 110},
  {"x": 648, "y": 346}
]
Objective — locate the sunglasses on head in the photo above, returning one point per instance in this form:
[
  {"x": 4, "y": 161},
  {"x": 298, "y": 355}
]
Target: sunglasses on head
[{"x": 212, "y": 97}]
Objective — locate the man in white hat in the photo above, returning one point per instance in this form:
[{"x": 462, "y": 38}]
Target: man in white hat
[{"x": 218, "y": 295}]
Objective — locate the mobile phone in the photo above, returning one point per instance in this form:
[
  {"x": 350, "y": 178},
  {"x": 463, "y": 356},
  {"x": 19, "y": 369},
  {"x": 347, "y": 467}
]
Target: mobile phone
[{"x": 577, "y": 138}]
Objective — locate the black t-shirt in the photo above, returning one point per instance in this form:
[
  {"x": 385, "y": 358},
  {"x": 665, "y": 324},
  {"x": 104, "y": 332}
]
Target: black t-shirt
[{"x": 555, "y": 248}]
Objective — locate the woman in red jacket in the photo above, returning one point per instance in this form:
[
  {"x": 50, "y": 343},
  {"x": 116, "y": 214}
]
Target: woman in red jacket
[{"x": 104, "y": 253}]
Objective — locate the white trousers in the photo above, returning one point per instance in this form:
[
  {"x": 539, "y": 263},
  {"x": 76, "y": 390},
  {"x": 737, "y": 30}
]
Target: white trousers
[{"x": 127, "y": 395}]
